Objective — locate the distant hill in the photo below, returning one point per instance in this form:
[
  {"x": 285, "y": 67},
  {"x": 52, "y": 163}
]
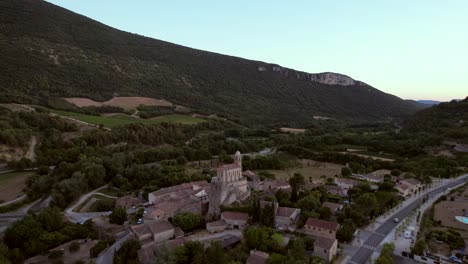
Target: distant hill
[
  {"x": 429, "y": 102},
  {"x": 50, "y": 52},
  {"x": 449, "y": 120}
]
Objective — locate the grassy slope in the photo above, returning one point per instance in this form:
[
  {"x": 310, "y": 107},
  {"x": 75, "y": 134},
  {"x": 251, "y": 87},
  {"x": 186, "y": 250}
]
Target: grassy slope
[
  {"x": 119, "y": 120},
  {"x": 12, "y": 183}
]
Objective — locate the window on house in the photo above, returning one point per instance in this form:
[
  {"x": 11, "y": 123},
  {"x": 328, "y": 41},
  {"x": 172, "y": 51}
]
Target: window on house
[{"x": 325, "y": 250}]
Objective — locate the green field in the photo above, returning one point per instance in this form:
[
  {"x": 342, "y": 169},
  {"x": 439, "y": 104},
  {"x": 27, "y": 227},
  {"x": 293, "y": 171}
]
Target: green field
[
  {"x": 110, "y": 191},
  {"x": 122, "y": 119},
  {"x": 92, "y": 208},
  {"x": 12, "y": 184}
]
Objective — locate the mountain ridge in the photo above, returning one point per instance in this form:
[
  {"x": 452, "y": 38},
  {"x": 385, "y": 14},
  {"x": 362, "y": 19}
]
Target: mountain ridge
[{"x": 57, "y": 53}]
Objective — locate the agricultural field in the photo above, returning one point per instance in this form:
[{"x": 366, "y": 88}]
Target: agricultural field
[
  {"x": 122, "y": 119},
  {"x": 312, "y": 171},
  {"x": 12, "y": 184},
  {"x": 127, "y": 103}
]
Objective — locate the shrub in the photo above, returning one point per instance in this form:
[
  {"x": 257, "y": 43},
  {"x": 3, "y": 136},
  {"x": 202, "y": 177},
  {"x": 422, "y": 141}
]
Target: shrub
[
  {"x": 98, "y": 248},
  {"x": 74, "y": 246},
  {"x": 55, "y": 254}
]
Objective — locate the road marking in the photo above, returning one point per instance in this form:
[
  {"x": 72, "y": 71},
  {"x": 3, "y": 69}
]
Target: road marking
[{"x": 369, "y": 247}]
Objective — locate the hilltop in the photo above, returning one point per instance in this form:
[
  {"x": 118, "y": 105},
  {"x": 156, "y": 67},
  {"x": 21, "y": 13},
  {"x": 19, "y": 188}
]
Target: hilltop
[
  {"x": 49, "y": 52},
  {"x": 449, "y": 120}
]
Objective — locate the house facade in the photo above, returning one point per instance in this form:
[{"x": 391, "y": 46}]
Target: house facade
[
  {"x": 321, "y": 228},
  {"x": 325, "y": 248},
  {"x": 286, "y": 216},
  {"x": 153, "y": 232},
  {"x": 235, "y": 220}
]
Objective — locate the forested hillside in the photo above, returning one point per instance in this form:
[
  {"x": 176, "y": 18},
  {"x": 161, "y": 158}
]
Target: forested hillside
[
  {"x": 448, "y": 120},
  {"x": 50, "y": 52}
]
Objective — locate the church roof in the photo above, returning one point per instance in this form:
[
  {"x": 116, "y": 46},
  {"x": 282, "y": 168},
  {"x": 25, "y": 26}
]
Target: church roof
[{"x": 227, "y": 167}]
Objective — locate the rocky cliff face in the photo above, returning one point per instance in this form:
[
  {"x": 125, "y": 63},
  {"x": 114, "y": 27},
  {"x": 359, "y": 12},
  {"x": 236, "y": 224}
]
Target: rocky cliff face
[{"x": 330, "y": 78}]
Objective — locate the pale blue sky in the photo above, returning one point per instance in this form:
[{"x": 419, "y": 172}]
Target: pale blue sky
[{"x": 414, "y": 49}]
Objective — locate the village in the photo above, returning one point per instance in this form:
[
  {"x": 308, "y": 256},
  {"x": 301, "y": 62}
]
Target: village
[{"x": 217, "y": 204}]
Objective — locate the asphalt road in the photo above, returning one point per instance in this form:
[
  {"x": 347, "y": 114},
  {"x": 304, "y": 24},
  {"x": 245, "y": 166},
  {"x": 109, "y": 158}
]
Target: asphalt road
[
  {"x": 374, "y": 240},
  {"x": 107, "y": 256}
]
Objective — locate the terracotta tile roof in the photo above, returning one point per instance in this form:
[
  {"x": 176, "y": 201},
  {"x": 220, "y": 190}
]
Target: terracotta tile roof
[
  {"x": 227, "y": 167},
  {"x": 286, "y": 211},
  {"x": 403, "y": 186},
  {"x": 228, "y": 215},
  {"x": 412, "y": 181},
  {"x": 249, "y": 173},
  {"x": 146, "y": 255},
  {"x": 322, "y": 224},
  {"x": 159, "y": 226},
  {"x": 345, "y": 181},
  {"x": 184, "y": 186},
  {"x": 156, "y": 213},
  {"x": 141, "y": 230},
  {"x": 128, "y": 201},
  {"x": 324, "y": 243}
]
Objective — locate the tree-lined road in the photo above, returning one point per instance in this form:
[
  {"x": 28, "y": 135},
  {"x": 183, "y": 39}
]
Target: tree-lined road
[{"x": 365, "y": 251}]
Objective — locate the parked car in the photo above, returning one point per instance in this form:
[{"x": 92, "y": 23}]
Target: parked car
[
  {"x": 455, "y": 259},
  {"x": 396, "y": 220},
  {"x": 140, "y": 221}
]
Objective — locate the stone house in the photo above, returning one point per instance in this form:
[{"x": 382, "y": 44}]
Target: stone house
[
  {"x": 216, "y": 226},
  {"x": 321, "y": 228},
  {"x": 325, "y": 248},
  {"x": 403, "y": 189},
  {"x": 286, "y": 216},
  {"x": 345, "y": 184},
  {"x": 153, "y": 231},
  {"x": 235, "y": 220},
  {"x": 336, "y": 190}
]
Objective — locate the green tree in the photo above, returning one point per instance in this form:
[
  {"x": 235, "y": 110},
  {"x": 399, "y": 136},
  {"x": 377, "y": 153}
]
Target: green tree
[
  {"x": 258, "y": 238},
  {"x": 346, "y": 231},
  {"x": 118, "y": 216},
  {"x": 188, "y": 221},
  {"x": 268, "y": 215},
  {"x": 419, "y": 247},
  {"x": 215, "y": 253},
  {"x": 308, "y": 203},
  {"x": 128, "y": 253},
  {"x": 190, "y": 252},
  {"x": 386, "y": 255},
  {"x": 325, "y": 213},
  {"x": 296, "y": 182},
  {"x": 345, "y": 172}
]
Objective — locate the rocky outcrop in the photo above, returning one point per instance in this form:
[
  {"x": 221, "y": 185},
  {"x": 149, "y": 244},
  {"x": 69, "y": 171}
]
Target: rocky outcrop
[{"x": 330, "y": 78}]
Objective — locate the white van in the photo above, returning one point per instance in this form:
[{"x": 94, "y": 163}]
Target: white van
[{"x": 407, "y": 234}]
